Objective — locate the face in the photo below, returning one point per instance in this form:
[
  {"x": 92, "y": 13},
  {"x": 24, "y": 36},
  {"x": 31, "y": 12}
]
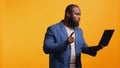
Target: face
[{"x": 75, "y": 16}]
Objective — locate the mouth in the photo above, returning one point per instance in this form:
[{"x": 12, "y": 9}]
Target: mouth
[{"x": 78, "y": 21}]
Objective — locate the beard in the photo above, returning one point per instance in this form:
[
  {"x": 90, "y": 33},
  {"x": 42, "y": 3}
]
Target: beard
[{"x": 72, "y": 22}]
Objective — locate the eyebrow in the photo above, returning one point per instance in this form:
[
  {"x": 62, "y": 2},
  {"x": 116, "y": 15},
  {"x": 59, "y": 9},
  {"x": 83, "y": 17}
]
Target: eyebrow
[{"x": 78, "y": 13}]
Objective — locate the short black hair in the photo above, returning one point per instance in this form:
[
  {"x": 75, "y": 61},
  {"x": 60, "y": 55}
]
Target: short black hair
[{"x": 69, "y": 8}]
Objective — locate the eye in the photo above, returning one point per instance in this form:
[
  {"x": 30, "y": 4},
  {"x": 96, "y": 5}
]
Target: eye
[{"x": 77, "y": 14}]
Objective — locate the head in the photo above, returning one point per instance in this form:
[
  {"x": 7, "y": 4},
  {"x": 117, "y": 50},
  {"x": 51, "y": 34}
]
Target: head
[{"x": 72, "y": 15}]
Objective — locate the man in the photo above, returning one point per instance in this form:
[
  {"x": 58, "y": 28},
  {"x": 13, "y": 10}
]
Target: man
[{"x": 64, "y": 41}]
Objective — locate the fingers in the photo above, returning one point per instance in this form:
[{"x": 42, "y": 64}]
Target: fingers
[
  {"x": 70, "y": 38},
  {"x": 71, "y": 34}
]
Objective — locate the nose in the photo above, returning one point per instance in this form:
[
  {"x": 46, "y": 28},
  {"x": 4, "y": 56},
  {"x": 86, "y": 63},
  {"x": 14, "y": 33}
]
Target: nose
[{"x": 78, "y": 16}]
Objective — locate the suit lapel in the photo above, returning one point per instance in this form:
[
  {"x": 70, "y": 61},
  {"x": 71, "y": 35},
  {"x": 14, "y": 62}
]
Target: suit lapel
[
  {"x": 76, "y": 40},
  {"x": 63, "y": 30},
  {"x": 76, "y": 34}
]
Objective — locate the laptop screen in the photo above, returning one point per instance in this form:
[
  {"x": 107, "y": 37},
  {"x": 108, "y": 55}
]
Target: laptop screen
[{"x": 106, "y": 37}]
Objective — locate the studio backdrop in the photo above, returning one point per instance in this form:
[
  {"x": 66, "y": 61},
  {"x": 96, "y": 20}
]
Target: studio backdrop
[{"x": 23, "y": 24}]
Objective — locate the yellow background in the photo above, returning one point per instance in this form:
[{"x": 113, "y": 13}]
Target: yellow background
[{"x": 23, "y": 24}]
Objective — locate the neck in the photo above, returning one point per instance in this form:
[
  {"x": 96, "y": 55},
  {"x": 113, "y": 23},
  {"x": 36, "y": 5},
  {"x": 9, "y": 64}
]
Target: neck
[{"x": 66, "y": 23}]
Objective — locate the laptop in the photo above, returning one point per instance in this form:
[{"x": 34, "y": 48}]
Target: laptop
[{"x": 106, "y": 37}]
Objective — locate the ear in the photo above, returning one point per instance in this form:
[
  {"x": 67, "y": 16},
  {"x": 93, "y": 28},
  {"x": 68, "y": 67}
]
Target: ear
[{"x": 68, "y": 14}]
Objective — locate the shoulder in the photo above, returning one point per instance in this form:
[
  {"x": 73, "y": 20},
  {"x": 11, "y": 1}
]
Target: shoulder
[
  {"x": 80, "y": 30},
  {"x": 55, "y": 26}
]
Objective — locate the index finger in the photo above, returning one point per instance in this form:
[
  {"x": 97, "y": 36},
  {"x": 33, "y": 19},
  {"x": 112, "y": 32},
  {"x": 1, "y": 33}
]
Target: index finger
[{"x": 71, "y": 34}]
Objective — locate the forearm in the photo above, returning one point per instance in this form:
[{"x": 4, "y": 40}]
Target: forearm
[{"x": 92, "y": 50}]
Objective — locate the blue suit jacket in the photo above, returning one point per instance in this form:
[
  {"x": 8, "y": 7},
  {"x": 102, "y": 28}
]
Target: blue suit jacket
[{"x": 59, "y": 52}]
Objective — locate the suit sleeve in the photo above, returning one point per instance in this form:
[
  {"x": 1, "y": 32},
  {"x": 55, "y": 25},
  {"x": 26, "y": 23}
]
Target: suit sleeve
[
  {"x": 86, "y": 49},
  {"x": 50, "y": 45},
  {"x": 89, "y": 50}
]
